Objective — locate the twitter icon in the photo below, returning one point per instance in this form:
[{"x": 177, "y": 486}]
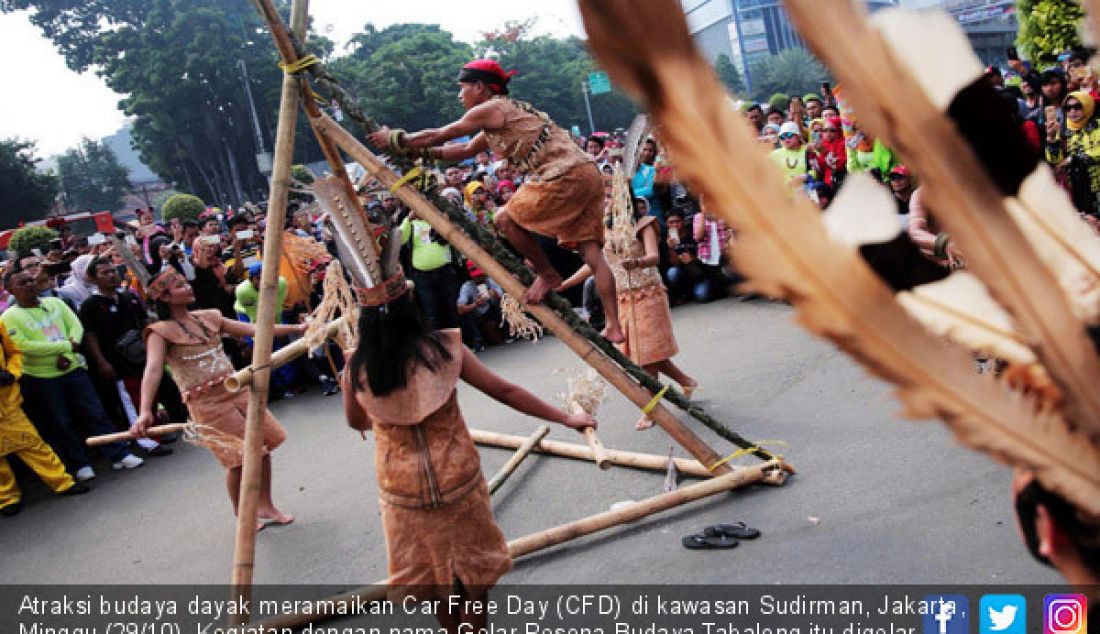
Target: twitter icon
[{"x": 1003, "y": 614}]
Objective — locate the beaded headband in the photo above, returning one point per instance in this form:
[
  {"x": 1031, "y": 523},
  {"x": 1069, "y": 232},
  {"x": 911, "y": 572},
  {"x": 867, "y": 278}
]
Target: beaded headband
[
  {"x": 160, "y": 284},
  {"x": 384, "y": 293}
]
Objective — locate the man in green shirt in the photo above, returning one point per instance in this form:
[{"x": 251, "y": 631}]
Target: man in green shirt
[
  {"x": 55, "y": 382},
  {"x": 436, "y": 284},
  {"x": 248, "y": 296}
]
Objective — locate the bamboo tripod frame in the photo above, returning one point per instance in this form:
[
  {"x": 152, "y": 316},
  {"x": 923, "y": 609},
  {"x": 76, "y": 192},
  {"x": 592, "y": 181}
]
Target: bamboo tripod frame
[
  {"x": 771, "y": 472},
  {"x": 333, "y": 138}
]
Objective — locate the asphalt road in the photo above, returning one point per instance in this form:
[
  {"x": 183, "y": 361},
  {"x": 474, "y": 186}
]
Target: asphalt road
[{"x": 895, "y": 501}]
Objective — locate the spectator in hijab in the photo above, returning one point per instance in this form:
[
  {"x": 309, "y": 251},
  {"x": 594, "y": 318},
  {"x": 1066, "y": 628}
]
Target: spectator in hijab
[
  {"x": 1076, "y": 150},
  {"x": 78, "y": 287}
]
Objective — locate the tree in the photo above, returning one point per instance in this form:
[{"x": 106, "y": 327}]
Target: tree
[
  {"x": 1047, "y": 27},
  {"x": 407, "y": 72},
  {"x": 92, "y": 178},
  {"x": 179, "y": 64},
  {"x": 793, "y": 71},
  {"x": 25, "y": 240},
  {"x": 183, "y": 206},
  {"x": 551, "y": 72},
  {"x": 728, "y": 74},
  {"x": 25, "y": 193}
]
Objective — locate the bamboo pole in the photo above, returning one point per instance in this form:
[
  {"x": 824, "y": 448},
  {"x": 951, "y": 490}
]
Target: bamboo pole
[
  {"x": 243, "y": 378},
  {"x": 575, "y": 451},
  {"x": 552, "y": 537},
  {"x": 513, "y": 462},
  {"x": 588, "y": 352},
  {"x": 599, "y": 454},
  {"x": 122, "y": 436},
  {"x": 244, "y": 551}
]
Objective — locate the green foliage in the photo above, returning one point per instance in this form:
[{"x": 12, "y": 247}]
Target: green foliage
[
  {"x": 779, "y": 101},
  {"x": 25, "y": 194},
  {"x": 1047, "y": 27},
  {"x": 183, "y": 206},
  {"x": 24, "y": 240},
  {"x": 92, "y": 178},
  {"x": 405, "y": 74},
  {"x": 551, "y": 72},
  {"x": 177, "y": 62},
  {"x": 302, "y": 174},
  {"x": 161, "y": 198},
  {"x": 728, "y": 74},
  {"x": 793, "y": 71}
]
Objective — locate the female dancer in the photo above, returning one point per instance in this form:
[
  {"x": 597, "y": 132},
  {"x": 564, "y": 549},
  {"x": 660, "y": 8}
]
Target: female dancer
[
  {"x": 440, "y": 535},
  {"x": 190, "y": 342}
]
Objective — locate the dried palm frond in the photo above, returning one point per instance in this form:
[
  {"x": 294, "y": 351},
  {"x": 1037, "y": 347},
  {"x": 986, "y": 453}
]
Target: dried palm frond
[
  {"x": 336, "y": 301},
  {"x": 785, "y": 251},
  {"x": 520, "y": 324},
  {"x": 586, "y": 392},
  {"x": 919, "y": 96},
  {"x": 633, "y": 143},
  {"x": 206, "y": 436},
  {"x": 622, "y": 234}
]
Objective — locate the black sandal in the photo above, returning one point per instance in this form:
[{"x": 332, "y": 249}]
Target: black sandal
[
  {"x": 737, "y": 530},
  {"x": 708, "y": 542}
]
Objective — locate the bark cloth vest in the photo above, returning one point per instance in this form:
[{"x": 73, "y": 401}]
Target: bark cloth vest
[{"x": 424, "y": 456}]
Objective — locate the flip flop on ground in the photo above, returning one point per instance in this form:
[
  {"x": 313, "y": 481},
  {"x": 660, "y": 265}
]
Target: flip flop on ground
[
  {"x": 736, "y": 530},
  {"x": 705, "y": 542}
]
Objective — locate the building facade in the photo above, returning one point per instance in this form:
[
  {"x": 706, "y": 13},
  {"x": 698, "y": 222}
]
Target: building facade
[
  {"x": 746, "y": 30},
  {"x": 990, "y": 25}
]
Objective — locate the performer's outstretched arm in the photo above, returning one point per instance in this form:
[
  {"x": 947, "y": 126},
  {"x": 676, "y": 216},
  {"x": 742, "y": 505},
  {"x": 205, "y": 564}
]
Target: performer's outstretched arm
[{"x": 471, "y": 124}]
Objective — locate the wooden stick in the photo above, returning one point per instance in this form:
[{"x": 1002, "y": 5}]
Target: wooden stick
[
  {"x": 243, "y": 378},
  {"x": 513, "y": 462},
  {"x": 633, "y": 459},
  {"x": 599, "y": 454},
  {"x": 553, "y": 536},
  {"x": 122, "y": 436},
  {"x": 244, "y": 551},
  {"x": 588, "y": 352}
]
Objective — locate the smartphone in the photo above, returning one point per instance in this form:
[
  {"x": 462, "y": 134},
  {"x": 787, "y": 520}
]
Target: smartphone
[
  {"x": 247, "y": 234},
  {"x": 212, "y": 239},
  {"x": 96, "y": 239},
  {"x": 37, "y": 252},
  {"x": 131, "y": 241},
  {"x": 483, "y": 290},
  {"x": 674, "y": 233}
]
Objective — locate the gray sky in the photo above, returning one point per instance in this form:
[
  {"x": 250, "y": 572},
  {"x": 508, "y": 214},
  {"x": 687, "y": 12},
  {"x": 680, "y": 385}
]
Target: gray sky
[{"x": 55, "y": 106}]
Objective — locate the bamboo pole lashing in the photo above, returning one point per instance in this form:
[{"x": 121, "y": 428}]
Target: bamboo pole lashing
[
  {"x": 588, "y": 352},
  {"x": 244, "y": 551},
  {"x": 522, "y": 452},
  {"x": 551, "y": 537},
  {"x": 576, "y": 451},
  {"x": 243, "y": 378}
]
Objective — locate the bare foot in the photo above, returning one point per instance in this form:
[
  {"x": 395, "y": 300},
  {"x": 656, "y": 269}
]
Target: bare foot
[
  {"x": 543, "y": 285},
  {"x": 613, "y": 333},
  {"x": 643, "y": 423},
  {"x": 689, "y": 388},
  {"x": 274, "y": 516}
]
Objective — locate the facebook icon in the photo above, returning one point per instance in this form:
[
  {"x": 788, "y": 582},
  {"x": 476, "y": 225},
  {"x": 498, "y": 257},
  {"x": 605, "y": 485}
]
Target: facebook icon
[{"x": 946, "y": 614}]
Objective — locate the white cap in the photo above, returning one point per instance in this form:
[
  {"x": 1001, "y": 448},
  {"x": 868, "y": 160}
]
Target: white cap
[{"x": 789, "y": 127}]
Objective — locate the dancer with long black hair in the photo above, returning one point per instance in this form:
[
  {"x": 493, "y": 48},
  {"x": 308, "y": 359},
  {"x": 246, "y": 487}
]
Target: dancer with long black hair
[{"x": 401, "y": 382}]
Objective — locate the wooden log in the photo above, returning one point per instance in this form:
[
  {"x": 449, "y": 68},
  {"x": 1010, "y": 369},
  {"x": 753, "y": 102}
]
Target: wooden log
[
  {"x": 513, "y": 462},
  {"x": 589, "y": 353},
  {"x": 599, "y": 454},
  {"x": 554, "y": 536},
  {"x": 633, "y": 459},
  {"x": 243, "y": 378},
  {"x": 122, "y": 436},
  {"x": 244, "y": 550}
]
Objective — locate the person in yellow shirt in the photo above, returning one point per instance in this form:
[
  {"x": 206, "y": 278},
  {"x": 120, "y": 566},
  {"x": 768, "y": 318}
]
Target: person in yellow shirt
[{"x": 18, "y": 436}]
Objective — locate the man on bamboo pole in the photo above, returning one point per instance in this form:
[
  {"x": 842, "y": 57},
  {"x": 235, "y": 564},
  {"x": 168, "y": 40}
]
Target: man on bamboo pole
[{"x": 563, "y": 197}]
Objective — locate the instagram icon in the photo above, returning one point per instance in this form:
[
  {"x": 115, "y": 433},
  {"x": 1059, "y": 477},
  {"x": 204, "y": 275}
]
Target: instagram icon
[{"x": 1065, "y": 614}]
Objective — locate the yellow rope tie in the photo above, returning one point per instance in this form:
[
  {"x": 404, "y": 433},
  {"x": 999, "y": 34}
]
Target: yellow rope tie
[
  {"x": 746, "y": 451},
  {"x": 405, "y": 180},
  {"x": 652, "y": 404},
  {"x": 297, "y": 67},
  {"x": 317, "y": 97}
]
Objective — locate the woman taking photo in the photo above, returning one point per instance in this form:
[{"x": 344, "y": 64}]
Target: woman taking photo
[
  {"x": 400, "y": 382},
  {"x": 190, "y": 343}
]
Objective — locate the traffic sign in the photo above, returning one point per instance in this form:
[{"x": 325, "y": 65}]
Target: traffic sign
[{"x": 599, "y": 83}]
